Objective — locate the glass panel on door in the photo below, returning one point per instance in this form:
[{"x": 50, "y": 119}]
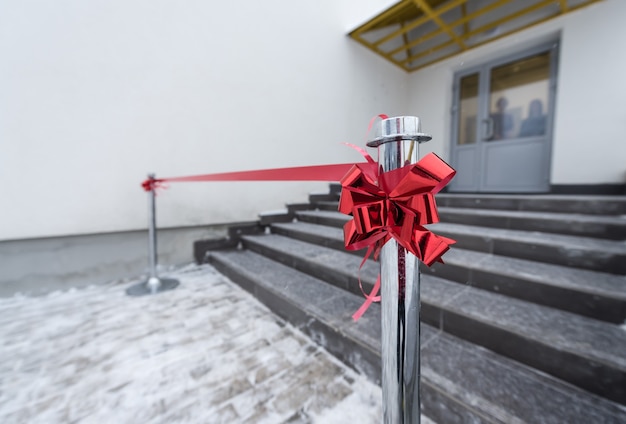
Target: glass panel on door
[
  {"x": 502, "y": 123},
  {"x": 518, "y": 100},
  {"x": 468, "y": 109}
]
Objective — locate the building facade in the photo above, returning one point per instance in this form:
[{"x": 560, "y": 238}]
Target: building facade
[
  {"x": 94, "y": 96},
  {"x": 570, "y": 67}
]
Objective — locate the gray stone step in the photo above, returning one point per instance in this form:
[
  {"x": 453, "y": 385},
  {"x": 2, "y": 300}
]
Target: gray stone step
[
  {"x": 322, "y": 235},
  {"x": 594, "y": 294},
  {"x": 575, "y": 204},
  {"x": 611, "y": 227},
  {"x": 572, "y": 251},
  {"x": 323, "y": 217},
  {"x": 579, "y": 204},
  {"x": 323, "y": 197},
  {"x": 461, "y": 382},
  {"x": 326, "y": 206},
  {"x": 582, "y": 351},
  {"x": 601, "y": 226}
]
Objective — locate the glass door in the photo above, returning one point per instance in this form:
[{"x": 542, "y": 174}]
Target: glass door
[
  {"x": 503, "y": 124},
  {"x": 466, "y": 147}
]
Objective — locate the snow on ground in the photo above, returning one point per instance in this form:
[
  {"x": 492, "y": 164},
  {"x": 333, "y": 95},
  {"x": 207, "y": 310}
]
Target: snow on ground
[{"x": 207, "y": 352}]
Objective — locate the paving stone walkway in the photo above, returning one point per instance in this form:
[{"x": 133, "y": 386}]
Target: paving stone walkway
[{"x": 207, "y": 352}]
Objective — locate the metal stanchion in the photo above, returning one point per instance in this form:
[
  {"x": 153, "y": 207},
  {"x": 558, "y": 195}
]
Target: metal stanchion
[
  {"x": 154, "y": 284},
  {"x": 397, "y": 140}
]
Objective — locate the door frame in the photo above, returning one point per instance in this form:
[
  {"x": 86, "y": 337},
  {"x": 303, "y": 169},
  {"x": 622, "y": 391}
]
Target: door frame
[{"x": 483, "y": 105}]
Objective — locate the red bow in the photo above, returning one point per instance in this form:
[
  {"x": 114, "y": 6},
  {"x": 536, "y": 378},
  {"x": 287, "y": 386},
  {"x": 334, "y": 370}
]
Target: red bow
[
  {"x": 395, "y": 204},
  {"x": 153, "y": 184}
]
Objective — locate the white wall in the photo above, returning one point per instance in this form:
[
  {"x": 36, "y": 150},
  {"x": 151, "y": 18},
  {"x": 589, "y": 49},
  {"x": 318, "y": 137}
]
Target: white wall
[
  {"x": 590, "y": 121},
  {"x": 591, "y": 98},
  {"x": 93, "y": 95}
]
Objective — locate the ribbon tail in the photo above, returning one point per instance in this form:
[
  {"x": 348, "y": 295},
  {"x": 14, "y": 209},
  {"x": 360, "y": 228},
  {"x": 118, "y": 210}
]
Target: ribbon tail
[
  {"x": 363, "y": 152},
  {"x": 372, "y": 297},
  {"x": 365, "y": 258},
  {"x": 154, "y": 185}
]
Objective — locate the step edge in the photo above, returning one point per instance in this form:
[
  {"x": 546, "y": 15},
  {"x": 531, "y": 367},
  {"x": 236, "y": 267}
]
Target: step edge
[
  {"x": 545, "y": 342},
  {"x": 606, "y": 404}
]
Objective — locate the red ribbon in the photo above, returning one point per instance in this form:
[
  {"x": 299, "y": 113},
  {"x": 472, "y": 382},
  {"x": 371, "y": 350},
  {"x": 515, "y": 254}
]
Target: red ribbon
[
  {"x": 299, "y": 173},
  {"x": 153, "y": 184},
  {"x": 395, "y": 204}
]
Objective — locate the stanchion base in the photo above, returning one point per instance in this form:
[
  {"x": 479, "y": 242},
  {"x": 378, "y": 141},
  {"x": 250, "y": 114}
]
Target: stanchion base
[{"x": 144, "y": 288}]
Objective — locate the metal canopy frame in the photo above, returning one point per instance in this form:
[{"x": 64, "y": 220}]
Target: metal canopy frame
[{"x": 416, "y": 33}]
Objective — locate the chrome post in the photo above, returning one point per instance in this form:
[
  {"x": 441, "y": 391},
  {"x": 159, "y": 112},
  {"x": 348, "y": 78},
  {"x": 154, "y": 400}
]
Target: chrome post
[
  {"x": 154, "y": 284},
  {"x": 397, "y": 140},
  {"x": 153, "y": 280}
]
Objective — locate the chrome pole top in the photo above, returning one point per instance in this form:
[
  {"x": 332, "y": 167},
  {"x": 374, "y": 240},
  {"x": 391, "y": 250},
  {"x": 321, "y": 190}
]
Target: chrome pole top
[{"x": 396, "y": 129}]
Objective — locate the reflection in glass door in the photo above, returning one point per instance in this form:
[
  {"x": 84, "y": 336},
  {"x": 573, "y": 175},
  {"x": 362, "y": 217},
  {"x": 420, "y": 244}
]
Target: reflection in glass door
[
  {"x": 465, "y": 153},
  {"x": 518, "y": 97},
  {"x": 502, "y": 124},
  {"x": 468, "y": 109}
]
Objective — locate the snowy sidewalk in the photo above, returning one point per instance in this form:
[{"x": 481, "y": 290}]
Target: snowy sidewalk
[{"x": 207, "y": 352}]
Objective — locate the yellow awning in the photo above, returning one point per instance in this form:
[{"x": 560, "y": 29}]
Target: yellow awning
[{"x": 416, "y": 33}]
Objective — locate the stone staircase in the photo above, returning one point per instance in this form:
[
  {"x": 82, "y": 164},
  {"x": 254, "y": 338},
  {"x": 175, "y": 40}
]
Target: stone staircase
[{"x": 523, "y": 324}]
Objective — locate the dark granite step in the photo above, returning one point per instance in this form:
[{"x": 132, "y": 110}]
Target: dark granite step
[
  {"x": 323, "y": 197},
  {"x": 292, "y": 208},
  {"x": 461, "y": 382},
  {"x": 578, "y": 204},
  {"x": 323, "y": 217},
  {"x": 322, "y": 235},
  {"x": 594, "y": 294},
  {"x": 582, "y": 351},
  {"x": 575, "y": 204},
  {"x": 572, "y": 251},
  {"x": 326, "y": 206},
  {"x": 600, "y": 226},
  {"x": 612, "y": 227}
]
